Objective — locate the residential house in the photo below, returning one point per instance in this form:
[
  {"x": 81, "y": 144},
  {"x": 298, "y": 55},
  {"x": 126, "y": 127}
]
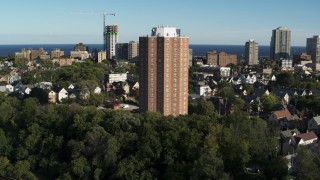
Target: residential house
[
  {"x": 248, "y": 78},
  {"x": 26, "y": 89},
  {"x": 249, "y": 101},
  {"x": 286, "y": 119},
  {"x": 121, "y": 88},
  {"x": 314, "y": 124},
  {"x": 285, "y": 141},
  {"x": 235, "y": 80},
  {"x": 282, "y": 95},
  {"x": 308, "y": 138},
  {"x": 203, "y": 90},
  {"x": 44, "y": 85},
  {"x": 72, "y": 86},
  {"x": 52, "y": 96},
  {"x": 61, "y": 94}
]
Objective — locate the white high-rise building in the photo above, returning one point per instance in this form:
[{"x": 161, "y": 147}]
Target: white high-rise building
[
  {"x": 111, "y": 39},
  {"x": 251, "y": 52},
  {"x": 280, "y": 45}
]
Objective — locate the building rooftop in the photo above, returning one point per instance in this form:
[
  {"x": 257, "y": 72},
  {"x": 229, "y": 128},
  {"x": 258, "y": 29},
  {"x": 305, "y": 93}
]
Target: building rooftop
[
  {"x": 282, "y": 114},
  {"x": 307, "y": 136},
  {"x": 165, "y": 31},
  {"x": 317, "y": 119}
]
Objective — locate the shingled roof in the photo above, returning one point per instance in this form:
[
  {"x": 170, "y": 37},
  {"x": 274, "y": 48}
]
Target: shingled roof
[{"x": 282, "y": 114}]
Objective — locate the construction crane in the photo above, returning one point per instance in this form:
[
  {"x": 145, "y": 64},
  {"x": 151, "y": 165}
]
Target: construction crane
[{"x": 104, "y": 14}]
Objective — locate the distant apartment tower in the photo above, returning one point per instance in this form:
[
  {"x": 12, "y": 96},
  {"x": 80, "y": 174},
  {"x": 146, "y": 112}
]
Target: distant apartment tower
[
  {"x": 102, "y": 55},
  {"x": 24, "y": 54},
  {"x": 313, "y": 48},
  {"x": 164, "y": 61},
  {"x": 122, "y": 51},
  {"x": 251, "y": 52},
  {"x": 280, "y": 44},
  {"x": 80, "y": 47},
  {"x": 111, "y": 39},
  {"x": 221, "y": 58},
  {"x": 133, "y": 50},
  {"x": 56, "y": 53}
]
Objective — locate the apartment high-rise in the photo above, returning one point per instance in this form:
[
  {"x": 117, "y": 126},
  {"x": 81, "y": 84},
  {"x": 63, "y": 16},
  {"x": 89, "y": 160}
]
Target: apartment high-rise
[
  {"x": 251, "y": 52},
  {"x": 122, "y": 51},
  {"x": 111, "y": 39},
  {"x": 133, "y": 50},
  {"x": 164, "y": 63},
  {"x": 280, "y": 44},
  {"x": 313, "y": 48}
]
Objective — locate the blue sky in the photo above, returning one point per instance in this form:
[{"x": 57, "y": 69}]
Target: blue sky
[{"x": 204, "y": 21}]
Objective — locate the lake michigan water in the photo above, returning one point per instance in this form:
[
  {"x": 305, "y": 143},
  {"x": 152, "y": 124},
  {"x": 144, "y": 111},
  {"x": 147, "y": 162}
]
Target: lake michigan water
[{"x": 198, "y": 50}]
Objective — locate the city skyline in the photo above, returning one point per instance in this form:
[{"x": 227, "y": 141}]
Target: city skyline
[{"x": 205, "y": 22}]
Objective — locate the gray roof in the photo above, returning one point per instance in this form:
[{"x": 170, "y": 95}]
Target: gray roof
[
  {"x": 317, "y": 119},
  {"x": 289, "y": 133}
]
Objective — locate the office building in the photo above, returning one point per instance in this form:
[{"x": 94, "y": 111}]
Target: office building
[
  {"x": 111, "y": 39},
  {"x": 313, "y": 48},
  {"x": 251, "y": 52},
  {"x": 221, "y": 58},
  {"x": 280, "y": 44},
  {"x": 164, "y": 63},
  {"x": 133, "y": 50},
  {"x": 122, "y": 51}
]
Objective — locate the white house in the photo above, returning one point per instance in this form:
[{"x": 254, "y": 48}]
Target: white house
[
  {"x": 203, "y": 90},
  {"x": 304, "y": 139},
  {"x": 314, "y": 124},
  {"x": 52, "y": 96},
  {"x": 62, "y": 94},
  {"x": 71, "y": 86}
]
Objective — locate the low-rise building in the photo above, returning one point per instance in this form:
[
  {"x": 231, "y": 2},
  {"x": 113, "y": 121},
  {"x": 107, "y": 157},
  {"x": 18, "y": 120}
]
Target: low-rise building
[
  {"x": 56, "y": 53},
  {"x": 116, "y": 77},
  {"x": 79, "y": 54},
  {"x": 314, "y": 124},
  {"x": 221, "y": 58}
]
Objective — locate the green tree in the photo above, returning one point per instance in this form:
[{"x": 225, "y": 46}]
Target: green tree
[
  {"x": 307, "y": 164},
  {"x": 268, "y": 101},
  {"x": 276, "y": 168},
  {"x": 285, "y": 79},
  {"x": 80, "y": 167},
  {"x": 20, "y": 63}
]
